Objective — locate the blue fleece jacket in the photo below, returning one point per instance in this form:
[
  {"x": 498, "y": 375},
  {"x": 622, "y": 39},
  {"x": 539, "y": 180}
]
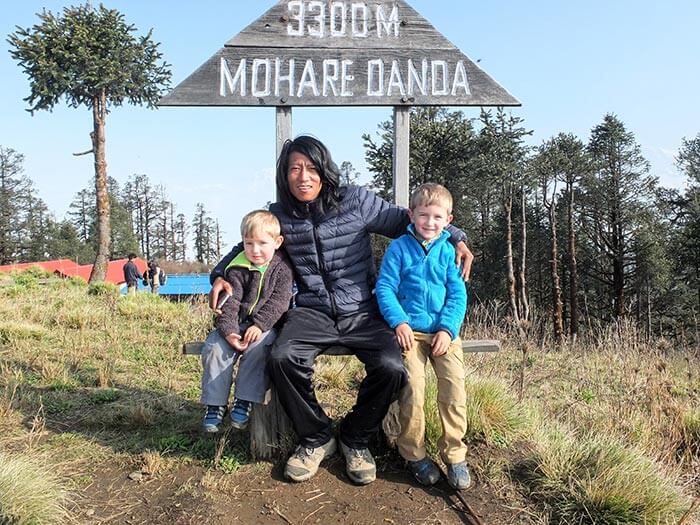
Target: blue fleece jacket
[{"x": 422, "y": 286}]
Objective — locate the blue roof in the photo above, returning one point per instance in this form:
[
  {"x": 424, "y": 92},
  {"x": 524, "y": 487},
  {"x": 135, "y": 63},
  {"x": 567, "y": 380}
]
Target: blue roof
[{"x": 181, "y": 284}]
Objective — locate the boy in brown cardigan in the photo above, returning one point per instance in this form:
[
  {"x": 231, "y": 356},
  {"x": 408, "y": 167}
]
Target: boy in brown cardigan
[{"x": 261, "y": 278}]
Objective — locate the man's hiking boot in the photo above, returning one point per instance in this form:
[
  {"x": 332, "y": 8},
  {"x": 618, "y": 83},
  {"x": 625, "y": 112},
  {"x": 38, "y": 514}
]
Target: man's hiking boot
[
  {"x": 359, "y": 464},
  {"x": 458, "y": 475},
  {"x": 240, "y": 413},
  {"x": 214, "y": 418},
  {"x": 425, "y": 471},
  {"x": 304, "y": 462}
]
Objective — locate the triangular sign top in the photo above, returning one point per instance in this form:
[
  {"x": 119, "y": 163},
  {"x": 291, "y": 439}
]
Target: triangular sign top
[
  {"x": 339, "y": 53},
  {"x": 386, "y": 24}
]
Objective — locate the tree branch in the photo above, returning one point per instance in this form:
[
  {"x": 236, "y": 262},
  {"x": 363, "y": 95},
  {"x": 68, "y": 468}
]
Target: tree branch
[{"x": 84, "y": 153}]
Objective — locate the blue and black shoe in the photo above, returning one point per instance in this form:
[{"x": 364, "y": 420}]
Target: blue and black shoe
[
  {"x": 458, "y": 475},
  {"x": 214, "y": 418},
  {"x": 425, "y": 471},
  {"x": 240, "y": 413}
]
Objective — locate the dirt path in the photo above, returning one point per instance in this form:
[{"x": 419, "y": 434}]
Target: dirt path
[{"x": 257, "y": 494}]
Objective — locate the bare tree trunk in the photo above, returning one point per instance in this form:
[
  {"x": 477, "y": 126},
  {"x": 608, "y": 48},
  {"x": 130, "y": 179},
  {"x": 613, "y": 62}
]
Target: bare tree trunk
[
  {"x": 99, "y": 114},
  {"x": 557, "y": 317},
  {"x": 573, "y": 280},
  {"x": 524, "y": 302},
  {"x": 508, "y": 210}
]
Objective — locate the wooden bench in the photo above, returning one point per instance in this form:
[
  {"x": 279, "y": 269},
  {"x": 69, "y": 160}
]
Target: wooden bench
[{"x": 271, "y": 432}]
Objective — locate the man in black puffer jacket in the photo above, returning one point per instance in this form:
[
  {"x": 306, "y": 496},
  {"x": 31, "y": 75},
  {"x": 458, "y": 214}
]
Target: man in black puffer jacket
[{"x": 326, "y": 230}]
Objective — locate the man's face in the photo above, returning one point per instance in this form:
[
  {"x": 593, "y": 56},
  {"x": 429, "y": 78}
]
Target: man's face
[{"x": 303, "y": 178}]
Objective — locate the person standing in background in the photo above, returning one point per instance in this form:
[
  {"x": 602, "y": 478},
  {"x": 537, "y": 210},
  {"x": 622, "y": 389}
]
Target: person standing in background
[{"x": 131, "y": 274}]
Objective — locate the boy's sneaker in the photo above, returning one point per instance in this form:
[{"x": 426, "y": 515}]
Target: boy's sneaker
[
  {"x": 303, "y": 464},
  {"x": 240, "y": 413},
  {"x": 214, "y": 418},
  {"x": 458, "y": 475},
  {"x": 359, "y": 464},
  {"x": 425, "y": 471}
]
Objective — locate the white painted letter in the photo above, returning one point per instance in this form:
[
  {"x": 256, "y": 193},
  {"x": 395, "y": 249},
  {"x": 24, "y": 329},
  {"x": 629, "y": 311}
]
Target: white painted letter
[
  {"x": 346, "y": 79},
  {"x": 265, "y": 92},
  {"x": 298, "y": 16},
  {"x": 444, "y": 88},
  {"x": 395, "y": 79},
  {"x": 460, "y": 79},
  {"x": 231, "y": 81},
  {"x": 320, "y": 18},
  {"x": 329, "y": 79},
  {"x": 308, "y": 79},
  {"x": 279, "y": 78},
  {"x": 383, "y": 23},
  {"x": 359, "y": 14},
  {"x": 377, "y": 65},
  {"x": 337, "y": 13},
  {"x": 414, "y": 79}
]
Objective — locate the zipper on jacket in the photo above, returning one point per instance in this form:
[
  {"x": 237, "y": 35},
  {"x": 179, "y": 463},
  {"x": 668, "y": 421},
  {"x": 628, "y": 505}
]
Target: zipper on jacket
[
  {"x": 322, "y": 267},
  {"x": 260, "y": 285}
]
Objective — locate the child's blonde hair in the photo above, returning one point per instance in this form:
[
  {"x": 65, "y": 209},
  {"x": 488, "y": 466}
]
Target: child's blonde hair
[
  {"x": 431, "y": 194},
  {"x": 260, "y": 221}
]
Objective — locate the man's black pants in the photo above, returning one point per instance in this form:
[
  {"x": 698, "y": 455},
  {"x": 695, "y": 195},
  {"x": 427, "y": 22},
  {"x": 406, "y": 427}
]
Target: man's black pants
[{"x": 307, "y": 333}]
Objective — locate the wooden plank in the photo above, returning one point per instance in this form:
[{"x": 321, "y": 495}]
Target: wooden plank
[
  {"x": 283, "y": 124},
  {"x": 468, "y": 346},
  {"x": 402, "y": 132},
  {"x": 338, "y": 77}
]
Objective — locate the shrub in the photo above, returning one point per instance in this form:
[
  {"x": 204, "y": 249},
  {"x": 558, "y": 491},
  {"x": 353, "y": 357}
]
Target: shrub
[
  {"x": 492, "y": 413},
  {"x": 104, "y": 290},
  {"x": 30, "y": 493},
  {"x": 595, "y": 479}
]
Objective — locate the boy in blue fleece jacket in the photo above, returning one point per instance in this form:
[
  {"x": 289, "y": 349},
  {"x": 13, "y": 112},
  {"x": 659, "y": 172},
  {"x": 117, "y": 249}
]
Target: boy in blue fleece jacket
[{"x": 423, "y": 298}]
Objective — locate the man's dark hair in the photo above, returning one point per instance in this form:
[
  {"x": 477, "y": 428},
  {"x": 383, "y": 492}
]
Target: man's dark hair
[
  {"x": 131, "y": 256},
  {"x": 317, "y": 153}
]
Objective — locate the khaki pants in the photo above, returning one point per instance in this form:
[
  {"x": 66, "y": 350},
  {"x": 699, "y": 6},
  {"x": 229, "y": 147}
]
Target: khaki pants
[{"x": 451, "y": 397}]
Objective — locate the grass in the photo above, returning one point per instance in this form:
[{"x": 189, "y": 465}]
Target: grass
[
  {"x": 594, "y": 478},
  {"x": 30, "y": 493},
  {"x": 608, "y": 432}
]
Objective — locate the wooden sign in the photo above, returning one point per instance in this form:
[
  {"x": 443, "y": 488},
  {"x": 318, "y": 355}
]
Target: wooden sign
[{"x": 339, "y": 53}]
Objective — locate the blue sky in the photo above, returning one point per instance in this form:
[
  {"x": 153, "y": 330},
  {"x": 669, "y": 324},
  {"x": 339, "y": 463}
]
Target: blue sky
[{"x": 568, "y": 62}]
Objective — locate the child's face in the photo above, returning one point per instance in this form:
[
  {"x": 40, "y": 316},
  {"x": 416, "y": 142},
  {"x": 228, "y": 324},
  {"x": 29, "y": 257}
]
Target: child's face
[
  {"x": 429, "y": 221},
  {"x": 260, "y": 246}
]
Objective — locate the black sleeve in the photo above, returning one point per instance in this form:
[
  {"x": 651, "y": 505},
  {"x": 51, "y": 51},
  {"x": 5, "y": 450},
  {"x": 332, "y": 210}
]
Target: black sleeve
[{"x": 218, "y": 270}]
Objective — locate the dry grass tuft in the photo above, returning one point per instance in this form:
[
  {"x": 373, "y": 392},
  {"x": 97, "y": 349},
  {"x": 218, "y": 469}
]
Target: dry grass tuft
[
  {"x": 691, "y": 432},
  {"x": 15, "y": 330},
  {"x": 30, "y": 493},
  {"x": 594, "y": 478},
  {"x": 152, "y": 462}
]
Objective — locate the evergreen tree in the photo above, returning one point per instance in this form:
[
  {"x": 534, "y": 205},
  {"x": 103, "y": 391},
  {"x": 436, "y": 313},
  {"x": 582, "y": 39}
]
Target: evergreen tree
[
  {"x": 615, "y": 194},
  {"x": 14, "y": 190},
  {"x": 90, "y": 57}
]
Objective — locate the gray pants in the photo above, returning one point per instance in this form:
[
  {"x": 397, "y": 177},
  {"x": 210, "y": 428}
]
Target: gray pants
[{"x": 218, "y": 359}]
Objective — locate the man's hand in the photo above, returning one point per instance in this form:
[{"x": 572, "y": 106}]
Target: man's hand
[
  {"x": 464, "y": 258},
  {"x": 251, "y": 335},
  {"x": 235, "y": 341},
  {"x": 405, "y": 336},
  {"x": 220, "y": 285},
  {"x": 440, "y": 343}
]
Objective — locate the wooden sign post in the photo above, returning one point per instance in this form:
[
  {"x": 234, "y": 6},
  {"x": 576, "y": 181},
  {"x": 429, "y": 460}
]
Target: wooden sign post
[{"x": 341, "y": 53}]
